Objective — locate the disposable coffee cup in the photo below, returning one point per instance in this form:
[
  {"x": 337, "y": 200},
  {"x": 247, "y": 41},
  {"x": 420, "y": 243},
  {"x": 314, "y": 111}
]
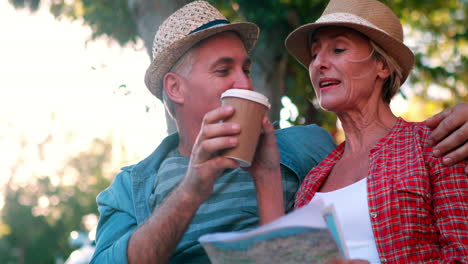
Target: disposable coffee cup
[{"x": 250, "y": 108}]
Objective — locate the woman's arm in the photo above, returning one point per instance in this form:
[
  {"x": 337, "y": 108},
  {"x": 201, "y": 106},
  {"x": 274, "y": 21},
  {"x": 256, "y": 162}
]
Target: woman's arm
[
  {"x": 266, "y": 174},
  {"x": 450, "y": 201}
]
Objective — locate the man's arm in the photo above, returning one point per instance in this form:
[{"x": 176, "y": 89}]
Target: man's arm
[
  {"x": 450, "y": 135},
  {"x": 156, "y": 240}
]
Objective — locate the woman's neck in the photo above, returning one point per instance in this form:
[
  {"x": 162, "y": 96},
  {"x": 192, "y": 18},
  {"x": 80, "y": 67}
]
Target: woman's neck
[{"x": 365, "y": 127}]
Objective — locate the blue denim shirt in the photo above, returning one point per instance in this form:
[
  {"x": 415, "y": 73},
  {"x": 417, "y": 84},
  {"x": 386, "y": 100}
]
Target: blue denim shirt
[{"x": 125, "y": 204}]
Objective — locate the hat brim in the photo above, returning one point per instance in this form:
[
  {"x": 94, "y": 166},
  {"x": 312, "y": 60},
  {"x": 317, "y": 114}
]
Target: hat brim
[
  {"x": 162, "y": 63},
  {"x": 297, "y": 44}
]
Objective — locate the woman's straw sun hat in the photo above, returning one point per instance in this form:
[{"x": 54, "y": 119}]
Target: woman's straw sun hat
[
  {"x": 187, "y": 26},
  {"x": 370, "y": 17}
]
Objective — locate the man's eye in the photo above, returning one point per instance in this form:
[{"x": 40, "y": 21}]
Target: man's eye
[
  {"x": 338, "y": 51},
  {"x": 223, "y": 70}
]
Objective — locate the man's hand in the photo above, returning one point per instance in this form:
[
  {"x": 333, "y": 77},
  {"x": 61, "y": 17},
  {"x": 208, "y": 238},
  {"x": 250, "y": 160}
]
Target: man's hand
[
  {"x": 205, "y": 166},
  {"x": 450, "y": 134}
]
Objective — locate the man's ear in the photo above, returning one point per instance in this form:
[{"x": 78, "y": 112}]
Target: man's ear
[{"x": 172, "y": 84}]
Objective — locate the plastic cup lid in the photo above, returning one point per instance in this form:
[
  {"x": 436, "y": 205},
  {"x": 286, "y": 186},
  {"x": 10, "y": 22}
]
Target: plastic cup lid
[{"x": 247, "y": 94}]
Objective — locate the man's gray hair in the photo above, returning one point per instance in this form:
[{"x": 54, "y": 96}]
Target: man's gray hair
[{"x": 182, "y": 67}]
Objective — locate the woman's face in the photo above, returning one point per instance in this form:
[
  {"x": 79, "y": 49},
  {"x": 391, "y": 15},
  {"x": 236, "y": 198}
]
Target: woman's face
[{"x": 343, "y": 71}]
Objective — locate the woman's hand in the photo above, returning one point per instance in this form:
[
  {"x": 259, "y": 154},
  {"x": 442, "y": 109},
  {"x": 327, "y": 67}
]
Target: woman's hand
[
  {"x": 266, "y": 174},
  {"x": 266, "y": 157}
]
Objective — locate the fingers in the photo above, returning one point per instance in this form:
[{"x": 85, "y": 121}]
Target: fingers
[
  {"x": 216, "y": 165},
  {"x": 454, "y": 147},
  {"x": 446, "y": 123},
  {"x": 216, "y": 144},
  {"x": 267, "y": 139},
  {"x": 267, "y": 126},
  {"x": 434, "y": 121},
  {"x": 266, "y": 155},
  {"x": 268, "y": 133},
  {"x": 200, "y": 177},
  {"x": 457, "y": 155},
  {"x": 214, "y": 135},
  {"x": 218, "y": 114},
  {"x": 450, "y": 135},
  {"x": 220, "y": 129}
]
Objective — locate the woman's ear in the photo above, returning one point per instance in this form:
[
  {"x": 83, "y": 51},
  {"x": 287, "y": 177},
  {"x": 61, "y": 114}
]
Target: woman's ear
[
  {"x": 172, "y": 84},
  {"x": 382, "y": 70}
]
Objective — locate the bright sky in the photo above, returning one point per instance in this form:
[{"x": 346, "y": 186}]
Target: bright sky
[{"x": 53, "y": 83}]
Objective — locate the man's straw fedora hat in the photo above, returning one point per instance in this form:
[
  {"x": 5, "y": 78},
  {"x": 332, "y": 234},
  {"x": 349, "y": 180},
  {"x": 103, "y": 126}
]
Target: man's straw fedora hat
[
  {"x": 187, "y": 26},
  {"x": 370, "y": 17}
]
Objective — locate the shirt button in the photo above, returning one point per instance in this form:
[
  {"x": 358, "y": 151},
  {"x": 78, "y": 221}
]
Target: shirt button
[
  {"x": 373, "y": 215},
  {"x": 383, "y": 260}
]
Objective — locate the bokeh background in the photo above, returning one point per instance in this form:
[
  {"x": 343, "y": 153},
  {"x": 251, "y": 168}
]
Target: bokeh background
[{"x": 74, "y": 107}]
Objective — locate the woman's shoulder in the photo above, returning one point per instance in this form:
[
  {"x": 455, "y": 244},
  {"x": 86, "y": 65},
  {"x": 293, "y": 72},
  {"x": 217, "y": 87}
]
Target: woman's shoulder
[{"x": 418, "y": 130}]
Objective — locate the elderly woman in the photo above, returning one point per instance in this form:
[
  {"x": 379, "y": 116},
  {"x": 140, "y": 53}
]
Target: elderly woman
[{"x": 395, "y": 201}]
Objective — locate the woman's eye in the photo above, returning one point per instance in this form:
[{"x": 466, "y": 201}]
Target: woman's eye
[{"x": 247, "y": 71}]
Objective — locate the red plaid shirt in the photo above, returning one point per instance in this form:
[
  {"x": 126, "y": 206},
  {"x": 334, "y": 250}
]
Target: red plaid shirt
[{"x": 418, "y": 206}]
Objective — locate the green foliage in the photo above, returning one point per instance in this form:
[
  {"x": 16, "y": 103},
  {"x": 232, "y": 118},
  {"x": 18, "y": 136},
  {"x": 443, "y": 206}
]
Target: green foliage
[
  {"x": 110, "y": 18},
  {"x": 30, "y": 234},
  {"x": 441, "y": 43},
  {"x": 32, "y": 5},
  {"x": 39, "y": 216}
]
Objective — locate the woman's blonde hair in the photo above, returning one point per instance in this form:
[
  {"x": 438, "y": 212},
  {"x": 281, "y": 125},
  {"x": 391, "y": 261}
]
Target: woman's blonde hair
[{"x": 393, "y": 82}]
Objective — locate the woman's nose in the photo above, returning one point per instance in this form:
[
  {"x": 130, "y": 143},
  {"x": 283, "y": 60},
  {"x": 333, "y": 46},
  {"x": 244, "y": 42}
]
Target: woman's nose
[{"x": 321, "y": 61}]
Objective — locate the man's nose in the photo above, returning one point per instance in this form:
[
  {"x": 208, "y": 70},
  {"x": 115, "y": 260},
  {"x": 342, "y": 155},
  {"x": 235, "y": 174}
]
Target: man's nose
[{"x": 243, "y": 81}]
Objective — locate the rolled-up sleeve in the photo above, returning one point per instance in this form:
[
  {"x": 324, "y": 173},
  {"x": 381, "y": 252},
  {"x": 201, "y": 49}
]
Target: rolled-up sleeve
[{"x": 117, "y": 221}]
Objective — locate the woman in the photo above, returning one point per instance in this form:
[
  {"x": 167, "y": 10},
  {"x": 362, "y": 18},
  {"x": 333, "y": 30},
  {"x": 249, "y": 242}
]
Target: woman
[{"x": 395, "y": 201}]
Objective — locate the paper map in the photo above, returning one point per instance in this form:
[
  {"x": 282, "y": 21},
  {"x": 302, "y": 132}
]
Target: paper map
[{"x": 297, "y": 238}]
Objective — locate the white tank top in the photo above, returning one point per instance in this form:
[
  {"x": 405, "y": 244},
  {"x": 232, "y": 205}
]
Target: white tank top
[{"x": 352, "y": 211}]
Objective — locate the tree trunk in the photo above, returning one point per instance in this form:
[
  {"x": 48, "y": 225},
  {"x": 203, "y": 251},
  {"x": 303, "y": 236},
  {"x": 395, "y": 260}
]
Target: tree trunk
[
  {"x": 149, "y": 15},
  {"x": 268, "y": 74}
]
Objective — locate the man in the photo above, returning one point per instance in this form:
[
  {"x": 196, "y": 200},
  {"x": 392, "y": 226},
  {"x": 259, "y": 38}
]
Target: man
[{"x": 156, "y": 210}]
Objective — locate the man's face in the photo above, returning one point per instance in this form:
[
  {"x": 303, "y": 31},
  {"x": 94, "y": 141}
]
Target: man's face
[{"x": 221, "y": 63}]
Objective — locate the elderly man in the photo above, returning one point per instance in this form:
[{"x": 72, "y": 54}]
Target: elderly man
[{"x": 155, "y": 211}]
